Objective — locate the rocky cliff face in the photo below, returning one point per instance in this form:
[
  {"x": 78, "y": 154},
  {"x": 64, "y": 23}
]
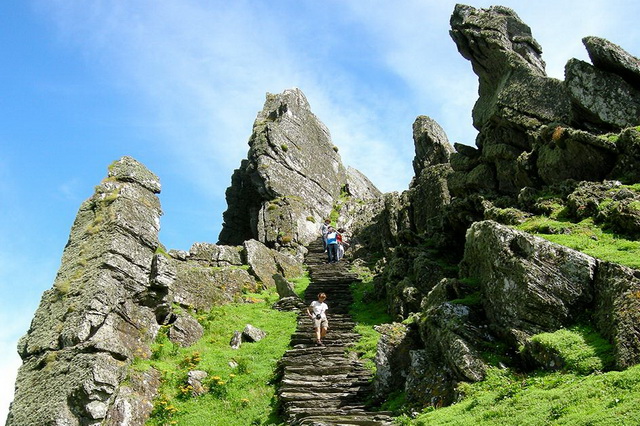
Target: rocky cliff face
[
  {"x": 116, "y": 286},
  {"x": 466, "y": 282},
  {"x": 291, "y": 178},
  {"x": 101, "y": 309},
  {"x": 453, "y": 269}
]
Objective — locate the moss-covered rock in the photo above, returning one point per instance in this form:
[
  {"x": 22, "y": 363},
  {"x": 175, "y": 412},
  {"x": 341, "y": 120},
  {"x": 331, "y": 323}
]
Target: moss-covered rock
[
  {"x": 100, "y": 312},
  {"x": 617, "y": 314}
]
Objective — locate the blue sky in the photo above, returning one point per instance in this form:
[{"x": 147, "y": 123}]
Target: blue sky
[{"x": 177, "y": 85}]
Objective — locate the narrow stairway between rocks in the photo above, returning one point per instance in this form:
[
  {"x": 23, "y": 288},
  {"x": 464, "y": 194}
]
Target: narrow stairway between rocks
[{"x": 326, "y": 385}]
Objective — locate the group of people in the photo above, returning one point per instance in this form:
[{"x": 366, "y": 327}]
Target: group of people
[{"x": 333, "y": 241}]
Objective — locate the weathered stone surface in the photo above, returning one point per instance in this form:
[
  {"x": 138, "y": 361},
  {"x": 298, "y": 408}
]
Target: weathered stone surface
[
  {"x": 612, "y": 58},
  {"x": 617, "y": 315},
  {"x": 429, "y": 196},
  {"x": 529, "y": 284},
  {"x": 609, "y": 203},
  {"x": 134, "y": 402},
  {"x": 96, "y": 317},
  {"x": 202, "y": 287},
  {"x": 569, "y": 154},
  {"x": 185, "y": 331},
  {"x": 359, "y": 186},
  {"x": 72, "y": 381},
  {"x": 283, "y": 287},
  {"x": 456, "y": 335},
  {"x": 509, "y": 65},
  {"x": 292, "y": 172},
  {"x": 252, "y": 334},
  {"x": 392, "y": 358},
  {"x": 626, "y": 168},
  {"x": 409, "y": 276},
  {"x": 431, "y": 144},
  {"x": 428, "y": 382},
  {"x": 264, "y": 263},
  {"x": 288, "y": 265},
  {"x": 260, "y": 260},
  {"x": 236, "y": 340},
  {"x": 603, "y": 99},
  {"x": 292, "y": 303},
  {"x": 195, "y": 379},
  {"x": 216, "y": 255}
]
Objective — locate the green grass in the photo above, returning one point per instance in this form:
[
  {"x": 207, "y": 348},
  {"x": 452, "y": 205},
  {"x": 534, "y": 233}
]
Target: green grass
[
  {"x": 587, "y": 237},
  {"x": 241, "y": 388},
  {"x": 367, "y": 312},
  {"x": 505, "y": 398},
  {"x": 582, "y": 349}
]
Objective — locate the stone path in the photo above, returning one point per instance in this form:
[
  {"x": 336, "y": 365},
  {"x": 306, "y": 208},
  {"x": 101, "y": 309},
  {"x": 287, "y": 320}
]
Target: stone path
[{"x": 326, "y": 385}]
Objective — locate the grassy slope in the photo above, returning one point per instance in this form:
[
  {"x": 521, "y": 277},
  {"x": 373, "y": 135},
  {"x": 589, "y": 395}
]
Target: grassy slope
[
  {"x": 241, "y": 395},
  {"x": 545, "y": 398},
  {"x": 563, "y": 398},
  {"x": 505, "y": 398}
]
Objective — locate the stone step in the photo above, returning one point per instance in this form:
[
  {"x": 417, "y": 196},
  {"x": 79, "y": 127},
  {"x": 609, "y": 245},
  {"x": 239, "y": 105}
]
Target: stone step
[
  {"x": 342, "y": 420},
  {"x": 326, "y": 377},
  {"x": 326, "y": 385},
  {"x": 291, "y": 385}
]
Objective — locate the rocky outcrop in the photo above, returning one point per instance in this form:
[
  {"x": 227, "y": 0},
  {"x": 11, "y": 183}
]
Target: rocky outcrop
[
  {"x": 100, "y": 313},
  {"x": 264, "y": 263},
  {"x": 117, "y": 284},
  {"x": 612, "y": 58},
  {"x": 529, "y": 285},
  {"x": 532, "y": 126},
  {"x": 392, "y": 358},
  {"x": 431, "y": 144},
  {"x": 510, "y": 69},
  {"x": 291, "y": 178},
  {"x": 606, "y": 99},
  {"x": 617, "y": 312},
  {"x": 462, "y": 282}
]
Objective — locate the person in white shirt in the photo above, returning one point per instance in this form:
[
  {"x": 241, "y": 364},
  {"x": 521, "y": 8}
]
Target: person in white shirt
[{"x": 318, "y": 313}]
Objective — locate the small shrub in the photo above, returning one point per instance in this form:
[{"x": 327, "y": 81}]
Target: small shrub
[
  {"x": 272, "y": 207},
  {"x": 286, "y": 239},
  {"x": 62, "y": 287},
  {"x": 284, "y": 147},
  {"x": 311, "y": 219},
  {"x": 164, "y": 411},
  {"x": 335, "y": 148},
  {"x": 557, "y": 134},
  {"x": 191, "y": 360}
]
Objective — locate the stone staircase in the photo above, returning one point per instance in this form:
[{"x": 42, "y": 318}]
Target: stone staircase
[{"x": 325, "y": 385}]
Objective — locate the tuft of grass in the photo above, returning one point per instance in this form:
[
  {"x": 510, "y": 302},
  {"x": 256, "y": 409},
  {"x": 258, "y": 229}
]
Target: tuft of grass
[
  {"x": 582, "y": 349},
  {"x": 286, "y": 239},
  {"x": 300, "y": 284}
]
